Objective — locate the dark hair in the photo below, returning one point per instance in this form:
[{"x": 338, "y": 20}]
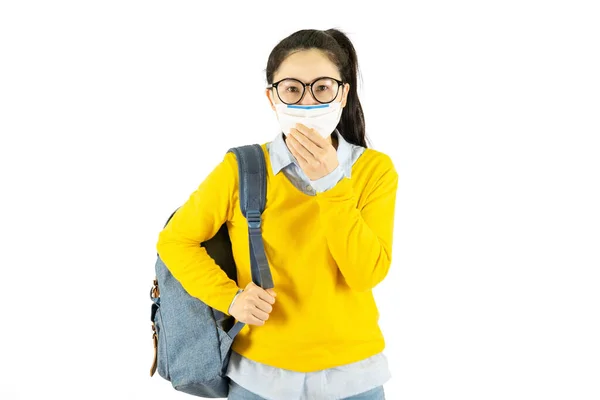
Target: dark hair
[{"x": 341, "y": 52}]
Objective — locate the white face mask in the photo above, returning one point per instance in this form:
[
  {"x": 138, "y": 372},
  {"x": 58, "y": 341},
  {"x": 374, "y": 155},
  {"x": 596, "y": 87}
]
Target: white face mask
[{"x": 321, "y": 117}]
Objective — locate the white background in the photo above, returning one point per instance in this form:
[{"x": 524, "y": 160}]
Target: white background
[{"x": 113, "y": 112}]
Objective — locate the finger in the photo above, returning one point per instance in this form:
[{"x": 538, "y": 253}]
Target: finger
[
  {"x": 267, "y": 295},
  {"x": 300, "y": 149},
  {"x": 264, "y": 295},
  {"x": 295, "y": 153},
  {"x": 250, "y": 309},
  {"x": 259, "y": 314},
  {"x": 313, "y": 135},
  {"x": 263, "y": 306},
  {"x": 252, "y": 320},
  {"x": 307, "y": 143}
]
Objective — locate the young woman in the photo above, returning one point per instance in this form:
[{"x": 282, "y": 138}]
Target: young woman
[{"x": 327, "y": 229}]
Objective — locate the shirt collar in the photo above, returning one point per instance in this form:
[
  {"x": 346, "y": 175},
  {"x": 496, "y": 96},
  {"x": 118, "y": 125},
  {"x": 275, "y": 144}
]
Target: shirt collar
[{"x": 281, "y": 156}]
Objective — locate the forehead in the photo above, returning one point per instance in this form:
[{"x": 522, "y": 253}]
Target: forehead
[{"x": 306, "y": 65}]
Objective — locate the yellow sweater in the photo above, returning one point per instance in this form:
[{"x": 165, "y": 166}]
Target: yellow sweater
[{"x": 326, "y": 253}]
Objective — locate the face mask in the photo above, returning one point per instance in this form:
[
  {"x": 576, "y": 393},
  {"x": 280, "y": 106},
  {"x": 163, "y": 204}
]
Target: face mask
[{"x": 321, "y": 117}]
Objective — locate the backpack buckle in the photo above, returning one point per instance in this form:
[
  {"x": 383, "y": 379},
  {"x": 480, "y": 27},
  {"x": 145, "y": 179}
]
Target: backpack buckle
[
  {"x": 154, "y": 291},
  {"x": 253, "y": 218}
]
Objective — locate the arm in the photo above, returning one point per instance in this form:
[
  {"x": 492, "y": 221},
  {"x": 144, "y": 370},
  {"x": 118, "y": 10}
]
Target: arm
[
  {"x": 196, "y": 221},
  {"x": 360, "y": 240}
]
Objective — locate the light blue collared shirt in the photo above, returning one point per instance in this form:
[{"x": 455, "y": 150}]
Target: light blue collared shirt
[{"x": 334, "y": 383}]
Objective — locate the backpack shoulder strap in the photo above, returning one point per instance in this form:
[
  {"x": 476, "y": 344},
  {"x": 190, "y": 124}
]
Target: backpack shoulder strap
[
  {"x": 253, "y": 179},
  {"x": 253, "y": 194}
]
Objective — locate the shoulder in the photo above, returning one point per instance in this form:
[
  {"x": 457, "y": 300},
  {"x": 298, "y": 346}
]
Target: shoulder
[
  {"x": 229, "y": 164},
  {"x": 377, "y": 163}
]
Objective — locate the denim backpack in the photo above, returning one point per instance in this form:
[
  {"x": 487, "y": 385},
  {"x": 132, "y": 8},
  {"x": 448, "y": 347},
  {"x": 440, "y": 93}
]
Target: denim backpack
[{"x": 192, "y": 341}]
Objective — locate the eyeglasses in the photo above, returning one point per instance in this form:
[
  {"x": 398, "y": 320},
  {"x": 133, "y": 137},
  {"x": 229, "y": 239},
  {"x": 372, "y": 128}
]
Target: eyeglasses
[{"x": 291, "y": 90}]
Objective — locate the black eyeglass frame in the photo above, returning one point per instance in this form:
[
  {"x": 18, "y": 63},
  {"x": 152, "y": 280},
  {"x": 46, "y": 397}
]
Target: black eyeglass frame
[{"x": 304, "y": 86}]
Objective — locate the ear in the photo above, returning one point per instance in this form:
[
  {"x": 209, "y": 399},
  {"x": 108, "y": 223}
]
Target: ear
[
  {"x": 269, "y": 93},
  {"x": 345, "y": 94}
]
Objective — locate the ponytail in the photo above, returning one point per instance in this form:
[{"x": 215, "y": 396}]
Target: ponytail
[{"x": 352, "y": 122}]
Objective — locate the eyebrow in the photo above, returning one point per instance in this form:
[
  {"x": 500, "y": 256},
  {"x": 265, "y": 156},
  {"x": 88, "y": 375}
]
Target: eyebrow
[{"x": 311, "y": 81}]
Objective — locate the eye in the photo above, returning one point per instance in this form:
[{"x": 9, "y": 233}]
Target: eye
[
  {"x": 291, "y": 89},
  {"x": 322, "y": 88}
]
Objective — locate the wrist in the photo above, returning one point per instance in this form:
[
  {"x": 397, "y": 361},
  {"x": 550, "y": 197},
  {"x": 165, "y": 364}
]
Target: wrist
[{"x": 233, "y": 301}]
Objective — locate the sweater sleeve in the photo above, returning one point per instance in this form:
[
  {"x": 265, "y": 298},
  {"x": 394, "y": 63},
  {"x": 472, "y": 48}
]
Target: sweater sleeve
[
  {"x": 196, "y": 221},
  {"x": 360, "y": 240}
]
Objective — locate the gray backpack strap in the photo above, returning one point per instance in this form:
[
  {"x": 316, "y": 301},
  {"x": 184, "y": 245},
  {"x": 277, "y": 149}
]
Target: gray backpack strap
[{"x": 253, "y": 192}]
